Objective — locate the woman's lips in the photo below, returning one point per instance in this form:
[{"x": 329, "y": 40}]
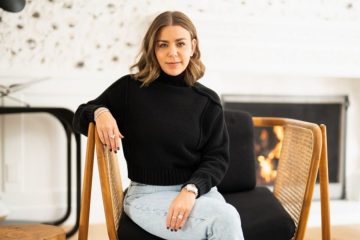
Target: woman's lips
[{"x": 173, "y": 64}]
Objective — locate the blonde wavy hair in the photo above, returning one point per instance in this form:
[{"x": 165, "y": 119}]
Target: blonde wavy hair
[{"x": 148, "y": 66}]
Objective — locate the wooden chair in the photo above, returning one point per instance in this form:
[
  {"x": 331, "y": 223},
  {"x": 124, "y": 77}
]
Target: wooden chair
[{"x": 303, "y": 150}]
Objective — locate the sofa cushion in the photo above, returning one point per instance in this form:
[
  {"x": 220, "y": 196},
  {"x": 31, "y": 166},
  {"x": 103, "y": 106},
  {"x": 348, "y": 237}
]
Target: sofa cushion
[
  {"x": 241, "y": 175},
  {"x": 262, "y": 215}
]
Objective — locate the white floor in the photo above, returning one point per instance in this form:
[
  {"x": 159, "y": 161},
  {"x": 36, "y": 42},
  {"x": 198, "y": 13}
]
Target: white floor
[{"x": 342, "y": 212}]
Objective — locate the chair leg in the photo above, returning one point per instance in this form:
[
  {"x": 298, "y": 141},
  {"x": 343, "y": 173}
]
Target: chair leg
[{"x": 324, "y": 187}]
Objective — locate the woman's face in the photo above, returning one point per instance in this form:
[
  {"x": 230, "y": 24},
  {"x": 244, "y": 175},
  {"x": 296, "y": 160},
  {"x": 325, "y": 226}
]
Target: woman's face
[{"x": 173, "y": 49}]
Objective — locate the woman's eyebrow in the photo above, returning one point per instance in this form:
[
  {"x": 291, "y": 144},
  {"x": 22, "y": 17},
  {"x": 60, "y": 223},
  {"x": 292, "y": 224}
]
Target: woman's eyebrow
[{"x": 176, "y": 40}]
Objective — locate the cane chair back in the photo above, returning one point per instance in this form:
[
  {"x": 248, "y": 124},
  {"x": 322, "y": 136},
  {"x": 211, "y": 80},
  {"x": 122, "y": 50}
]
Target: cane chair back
[{"x": 297, "y": 170}]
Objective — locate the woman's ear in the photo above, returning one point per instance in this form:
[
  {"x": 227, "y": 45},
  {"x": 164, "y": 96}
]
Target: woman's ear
[{"x": 193, "y": 46}]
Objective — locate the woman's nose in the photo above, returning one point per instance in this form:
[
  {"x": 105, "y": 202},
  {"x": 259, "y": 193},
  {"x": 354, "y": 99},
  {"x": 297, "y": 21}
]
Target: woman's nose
[{"x": 172, "y": 51}]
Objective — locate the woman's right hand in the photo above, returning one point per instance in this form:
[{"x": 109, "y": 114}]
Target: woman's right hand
[{"x": 107, "y": 129}]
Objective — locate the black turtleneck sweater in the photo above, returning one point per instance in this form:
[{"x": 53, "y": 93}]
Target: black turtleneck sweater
[{"x": 174, "y": 134}]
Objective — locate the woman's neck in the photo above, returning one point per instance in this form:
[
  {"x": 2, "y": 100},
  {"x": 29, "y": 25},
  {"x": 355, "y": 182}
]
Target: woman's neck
[{"x": 178, "y": 80}]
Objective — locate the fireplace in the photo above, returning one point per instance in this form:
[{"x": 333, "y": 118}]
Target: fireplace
[{"x": 329, "y": 110}]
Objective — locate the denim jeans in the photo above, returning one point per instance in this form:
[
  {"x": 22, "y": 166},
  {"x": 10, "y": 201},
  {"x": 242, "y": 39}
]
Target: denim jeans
[{"x": 211, "y": 218}]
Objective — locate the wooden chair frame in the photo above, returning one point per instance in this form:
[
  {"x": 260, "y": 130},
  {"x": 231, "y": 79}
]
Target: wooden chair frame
[{"x": 112, "y": 191}]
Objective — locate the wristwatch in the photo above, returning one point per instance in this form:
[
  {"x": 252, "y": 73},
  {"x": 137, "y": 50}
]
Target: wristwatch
[{"x": 191, "y": 188}]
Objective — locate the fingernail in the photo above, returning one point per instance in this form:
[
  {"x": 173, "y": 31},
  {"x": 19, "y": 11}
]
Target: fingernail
[
  {"x": 110, "y": 149},
  {"x": 168, "y": 228},
  {"x": 179, "y": 227},
  {"x": 175, "y": 230},
  {"x": 172, "y": 230},
  {"x": 115, "y": 151},
  {"x": 118, "y": 148}
]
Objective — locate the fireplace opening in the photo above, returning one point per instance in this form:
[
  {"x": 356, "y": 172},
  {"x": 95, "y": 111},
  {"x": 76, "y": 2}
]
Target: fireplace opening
[
  {"x": 268, "y": 142},
  {"x": 329, "y": 110}
]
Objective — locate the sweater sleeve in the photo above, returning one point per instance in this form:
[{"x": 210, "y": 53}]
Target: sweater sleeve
[
  {"x": 85, "y": 112},
  {"x": 215, "y": 151}
]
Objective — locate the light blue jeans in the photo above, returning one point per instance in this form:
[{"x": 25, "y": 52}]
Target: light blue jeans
[{"x": 211, "y": 218}]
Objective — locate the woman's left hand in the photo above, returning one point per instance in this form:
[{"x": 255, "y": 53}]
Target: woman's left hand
[{"x": 180, "y": 209}]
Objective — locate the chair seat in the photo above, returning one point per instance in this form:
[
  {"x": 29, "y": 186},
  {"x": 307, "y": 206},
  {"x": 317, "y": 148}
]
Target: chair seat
[
  {"x": 262, "y": 217},
  {"x": 130, "y": 230}
]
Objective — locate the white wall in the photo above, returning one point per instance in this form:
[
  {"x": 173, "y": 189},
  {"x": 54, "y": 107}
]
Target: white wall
[{"x": 249, "y": 47}]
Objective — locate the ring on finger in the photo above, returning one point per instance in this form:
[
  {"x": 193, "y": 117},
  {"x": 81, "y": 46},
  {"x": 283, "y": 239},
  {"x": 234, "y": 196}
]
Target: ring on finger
[
  {"x": 112, "y": 136},
  {"x": 180, "y": 216}
]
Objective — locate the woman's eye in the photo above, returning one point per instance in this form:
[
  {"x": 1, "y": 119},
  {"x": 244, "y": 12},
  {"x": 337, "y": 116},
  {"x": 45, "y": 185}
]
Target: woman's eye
[
  {"x": 162, "y": 45},
  {"x": 180, "y": 44}
]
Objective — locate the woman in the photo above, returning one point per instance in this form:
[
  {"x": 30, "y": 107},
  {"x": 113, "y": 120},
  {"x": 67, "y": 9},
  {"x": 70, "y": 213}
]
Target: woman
[{"x": 174, "y": 137}]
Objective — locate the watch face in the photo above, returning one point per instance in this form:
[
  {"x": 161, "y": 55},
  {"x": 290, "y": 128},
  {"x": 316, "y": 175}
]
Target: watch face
[{"x": 191, "y": 188}]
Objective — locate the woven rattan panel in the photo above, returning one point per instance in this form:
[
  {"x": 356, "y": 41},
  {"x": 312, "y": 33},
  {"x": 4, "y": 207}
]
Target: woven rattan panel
[
  {"x": 293, "y": 169},
  {"x": 117, "y": 194}
]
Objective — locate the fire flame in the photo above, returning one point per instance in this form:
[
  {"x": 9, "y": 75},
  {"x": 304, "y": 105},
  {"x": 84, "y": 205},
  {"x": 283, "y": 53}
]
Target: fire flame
[{"x": 267, "y": 164}]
